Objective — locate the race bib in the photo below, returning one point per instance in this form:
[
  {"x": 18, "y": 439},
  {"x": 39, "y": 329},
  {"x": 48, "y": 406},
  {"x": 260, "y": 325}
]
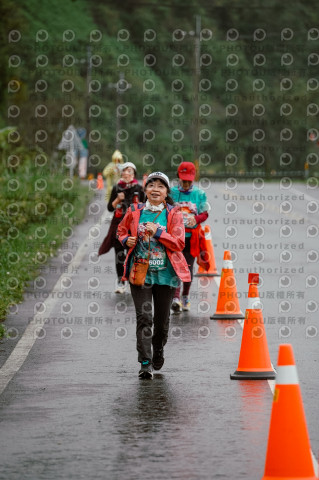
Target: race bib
[
  {"x": 188, "y": 210},
  {"x": 158, "y": 257}
]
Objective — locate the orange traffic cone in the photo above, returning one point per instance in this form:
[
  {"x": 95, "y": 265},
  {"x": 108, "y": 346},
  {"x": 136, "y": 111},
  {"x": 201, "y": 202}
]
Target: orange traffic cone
[
  {"x": 208, "y": 256},
  {"x": 254, "y": 360},
  {"x": 227, "y": 303},
  {"x": 100, "y": 184},
  {"x": 288, "y": 453}
]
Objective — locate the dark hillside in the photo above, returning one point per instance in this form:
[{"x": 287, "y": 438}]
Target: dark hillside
[{"x": 240, "y": 94}]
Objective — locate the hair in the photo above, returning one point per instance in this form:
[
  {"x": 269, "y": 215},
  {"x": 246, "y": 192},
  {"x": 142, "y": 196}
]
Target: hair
[{"x": 168, "y": 198}]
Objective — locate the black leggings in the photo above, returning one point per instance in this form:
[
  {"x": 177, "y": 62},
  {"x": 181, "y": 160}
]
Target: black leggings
[
  {"x": 162, "y": 295},
  {"x": 119, "y": 259},
  {"x": 190, "y": 262}
]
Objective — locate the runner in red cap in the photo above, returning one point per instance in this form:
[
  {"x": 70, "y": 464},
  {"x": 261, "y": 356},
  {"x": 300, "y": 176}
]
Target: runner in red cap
[{"x": 193, "y": 204}]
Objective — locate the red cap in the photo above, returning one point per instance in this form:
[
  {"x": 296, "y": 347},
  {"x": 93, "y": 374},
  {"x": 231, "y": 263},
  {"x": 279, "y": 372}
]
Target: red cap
[{"x": 186, "y": 171}]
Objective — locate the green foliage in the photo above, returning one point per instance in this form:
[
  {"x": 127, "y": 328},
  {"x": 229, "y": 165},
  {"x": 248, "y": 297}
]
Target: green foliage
[
  {"x": 2, "y": 331},
  {"x": 24, "y": 250},
  {"x": 121, "y": 35},
  {"x": 38, "y": 207}
]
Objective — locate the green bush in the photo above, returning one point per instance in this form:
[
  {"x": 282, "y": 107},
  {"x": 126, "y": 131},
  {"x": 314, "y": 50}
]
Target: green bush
[
  {"x": 34, "y": 210},
  {"x": 109, "y": 18}
]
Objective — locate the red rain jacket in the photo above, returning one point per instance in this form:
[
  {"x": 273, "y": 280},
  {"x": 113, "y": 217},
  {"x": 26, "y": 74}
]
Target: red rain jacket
[{"x": 173, "y": 239}]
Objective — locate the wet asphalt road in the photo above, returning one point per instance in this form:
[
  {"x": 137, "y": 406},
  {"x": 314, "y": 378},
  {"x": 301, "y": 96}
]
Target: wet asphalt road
[{"x": 76, "y": 408}]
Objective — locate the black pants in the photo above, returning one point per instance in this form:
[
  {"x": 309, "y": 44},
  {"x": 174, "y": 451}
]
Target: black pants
[
  {"x": 190, "y": 262},
  {"x": 189, "y": 258},
  {"x": 162, "y": 296},
  {"x": 119, "y": 259}
]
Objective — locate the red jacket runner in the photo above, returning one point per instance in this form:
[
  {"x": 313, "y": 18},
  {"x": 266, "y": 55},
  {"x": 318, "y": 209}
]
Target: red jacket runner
[{"x": 173, "y": 239}]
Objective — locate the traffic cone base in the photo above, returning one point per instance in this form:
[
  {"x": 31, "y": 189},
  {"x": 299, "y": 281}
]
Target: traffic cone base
[
  {"x": 207, "y": 274},
  {"x": 255, "y": 375},
  {"x": 290, "y": 478},
  {"x": 227, "y": 316}
]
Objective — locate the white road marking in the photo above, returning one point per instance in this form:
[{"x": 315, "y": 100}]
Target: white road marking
[
  {"x": 307, "y": 197},
  {"x": 15, "y": 361}
]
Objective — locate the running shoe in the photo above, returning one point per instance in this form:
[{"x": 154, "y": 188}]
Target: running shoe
[
  {"x": 176, "y": 305},
  {"x": 186, "y": 304},
  {"x": 146, "y": 370},
  {"x": 120, "y": 288},
  {"x": 158, "y": 359}
]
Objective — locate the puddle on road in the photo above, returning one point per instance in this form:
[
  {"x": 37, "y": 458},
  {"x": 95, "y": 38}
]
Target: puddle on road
[{"x": 181, "y": 427}]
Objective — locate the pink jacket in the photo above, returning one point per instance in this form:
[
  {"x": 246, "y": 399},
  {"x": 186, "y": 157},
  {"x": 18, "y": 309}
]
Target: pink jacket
[{"x": 173, "y": 239}]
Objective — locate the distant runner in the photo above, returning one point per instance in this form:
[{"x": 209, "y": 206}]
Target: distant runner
[
  {"x": 122, "y": 195},
  {"x": 192, "y": 202}
]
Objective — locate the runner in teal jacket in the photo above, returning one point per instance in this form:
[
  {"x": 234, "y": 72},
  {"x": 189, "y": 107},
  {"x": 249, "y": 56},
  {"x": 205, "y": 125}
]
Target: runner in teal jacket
[{"x": 192, "y": 202}]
